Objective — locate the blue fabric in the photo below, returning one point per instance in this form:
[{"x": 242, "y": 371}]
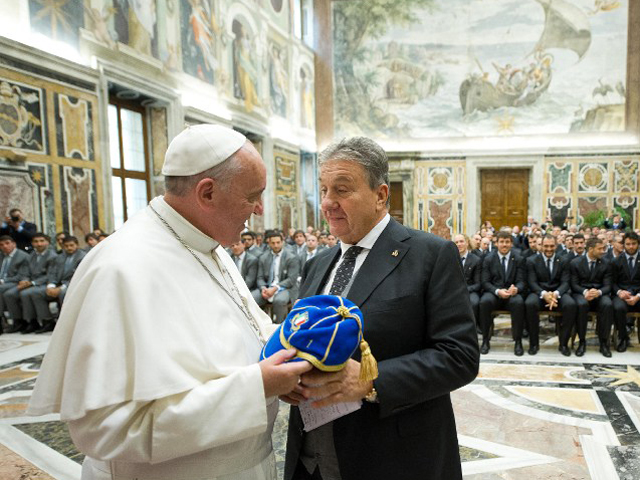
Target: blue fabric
[{"x": 325, "y": 329}]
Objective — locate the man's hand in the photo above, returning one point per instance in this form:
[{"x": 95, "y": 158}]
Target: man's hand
[
  {"x": 631, "y": 301},
  {"x": 281, "y": 378},
  {"x": 551, "y": 300},
  {"x": 53, "y": 292},
  {"x": 624, "y": 294},
  {"x": 513, "y": 291},
  {"x": 267, "y": 293},
  {"x": 503, "y": 293},
  {"x": 22, "y": 284},
  {"x": 338, "y": 387}
]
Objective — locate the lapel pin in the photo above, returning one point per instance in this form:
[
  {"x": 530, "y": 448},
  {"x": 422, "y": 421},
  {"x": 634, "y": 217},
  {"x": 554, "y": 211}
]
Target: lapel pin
[{"x": 394, "y": 253}]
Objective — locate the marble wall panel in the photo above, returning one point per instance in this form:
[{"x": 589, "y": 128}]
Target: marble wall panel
[
  {"x": 23, "y": 116},
  {"x": 79, "y": 203},
  {"x": 576, "y": 186},
  {"x": 440, "y": 199},
  {"x": 74, "y": 127},
  {"x": 287, "y": 168}
]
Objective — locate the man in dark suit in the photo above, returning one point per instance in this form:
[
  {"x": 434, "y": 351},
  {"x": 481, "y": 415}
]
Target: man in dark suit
[
  {"x": 472, "y": 269},
  {"x": 14, "y": 266},
  {"x": 548, "y": 278},
  {"x": 532, "y": 250},
  {"x": 503, "y": 282},
  {"x": 616, "y": 248},
  {"x": 58, "y": 278},
  {"x": 626, "y": 288},
  {"x": 617, "y": 223},
  {"x": 591, "y": 287},
  {"x": 40, "y": 261},
  {"x": 299, "y": 242},
  {"x": 19, "y": 229},
  {"x": 249, "y": 240},
  {"x": 417, "y": 321},
  {"x": 278, "y": 271},
  {"x": 579, "y": 244},
  {"x": 247, "y": 264}
]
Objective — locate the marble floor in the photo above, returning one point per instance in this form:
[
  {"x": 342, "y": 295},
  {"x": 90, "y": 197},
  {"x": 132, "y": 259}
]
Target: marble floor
[{"x": 542, "y": 417}]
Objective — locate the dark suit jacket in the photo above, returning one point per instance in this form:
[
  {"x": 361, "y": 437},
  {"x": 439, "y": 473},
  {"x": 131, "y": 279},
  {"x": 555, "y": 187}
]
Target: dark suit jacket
[
  {"x": 538, "y": 275},
  {"x": 58, "y": 274},
  {"x": 419, "y": 324},
  {"x": 288, "y": 273},
  {"x": 623, "y": 279},
  {"x": 609, "y": 225},
  {"x": 582, "y": 279},
  {"x": 479, "y": 253},
  {"x": 18, "y": 268},
  {"x": 23, "y": 237},
  {"x": 493, "y": 277},
  {"x": 249, "y": 270},
  {"x": 472, "y": 273},
  {"x": 38, "y": 270}
]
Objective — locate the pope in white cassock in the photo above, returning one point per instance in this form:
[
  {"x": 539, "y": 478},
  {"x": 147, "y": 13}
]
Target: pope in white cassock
[{"x": 153, "y": 362}]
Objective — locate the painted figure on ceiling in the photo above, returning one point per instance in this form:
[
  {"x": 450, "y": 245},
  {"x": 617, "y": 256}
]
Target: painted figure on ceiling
[{"x": 245, "y": 75}]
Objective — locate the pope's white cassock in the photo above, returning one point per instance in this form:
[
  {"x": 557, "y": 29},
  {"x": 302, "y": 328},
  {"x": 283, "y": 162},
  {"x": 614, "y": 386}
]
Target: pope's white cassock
[{"x": 154, "y": 365}]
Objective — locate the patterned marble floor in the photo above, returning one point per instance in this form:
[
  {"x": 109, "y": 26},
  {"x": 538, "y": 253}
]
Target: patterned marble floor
[{"x": 543, "y": 417}]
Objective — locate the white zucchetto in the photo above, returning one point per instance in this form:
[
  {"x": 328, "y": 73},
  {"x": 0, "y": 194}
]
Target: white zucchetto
[{"x": 199, "y": 148}]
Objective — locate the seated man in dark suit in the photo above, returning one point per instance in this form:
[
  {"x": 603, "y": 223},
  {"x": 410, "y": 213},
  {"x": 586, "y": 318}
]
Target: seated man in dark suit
[
  {"x": 249, "y": 240},
  {"x": 533, "y": 246},
  {"x": 626, "y": 288},
  {"x": 472, "y": 269},
  {"x": 58, "y": 278},
  {"x": 591, "y": 287},
  {"x": 14, "y": 266},
  {"x": 503, "y": 282},
  {"x": 40, "y": 260},
  {"x": 578, "y": 243},
  {"x": 278, "y": 271},
  {"x": 247, "y": 264},
  {"x": 311, "y": 249},
  {"x": 616, "y": 248},
  {"x": 548, "y": 278}
]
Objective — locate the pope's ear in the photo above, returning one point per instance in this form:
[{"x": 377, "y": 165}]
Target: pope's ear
[{"x": 205, "y": 191}]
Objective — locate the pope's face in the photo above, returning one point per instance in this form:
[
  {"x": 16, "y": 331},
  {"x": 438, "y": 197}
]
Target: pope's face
[
  {"x": 243, "y": 198},
  {"x": 352, "y": 208}
]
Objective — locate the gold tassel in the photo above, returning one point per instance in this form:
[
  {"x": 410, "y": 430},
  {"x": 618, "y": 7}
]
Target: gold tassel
[{"x": 368, "y": 364}]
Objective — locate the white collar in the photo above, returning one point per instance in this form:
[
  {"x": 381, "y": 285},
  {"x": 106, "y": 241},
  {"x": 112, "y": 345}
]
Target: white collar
[
  {"x": 370, "y": 238},
  {"x": 185, "y": 229},
  {"x": 504, "y": 256}
]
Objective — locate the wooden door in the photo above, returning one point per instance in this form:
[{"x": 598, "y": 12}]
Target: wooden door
[
  {"x": 505, "y": 196},
  {"x": 397, "y": 204}
]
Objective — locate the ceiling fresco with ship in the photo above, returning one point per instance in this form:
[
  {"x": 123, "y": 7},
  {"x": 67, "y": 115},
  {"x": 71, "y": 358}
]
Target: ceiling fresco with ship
[{"x": 420, "y": 69}]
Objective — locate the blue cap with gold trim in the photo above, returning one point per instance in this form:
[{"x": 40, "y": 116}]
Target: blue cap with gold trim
[{"x": 325, "y": 330}]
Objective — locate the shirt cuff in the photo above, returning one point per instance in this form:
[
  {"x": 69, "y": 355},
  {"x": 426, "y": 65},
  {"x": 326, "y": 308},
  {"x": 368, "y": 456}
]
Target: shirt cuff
[
  {"x": 51, "y": 285},
  {"x": 557, "y": 294},
  {"x": 600, "y": 292},
  {"x": 496, "y": 292},
  {"x": 584, "y": 292},
  {"x": 543, "y": 294}
]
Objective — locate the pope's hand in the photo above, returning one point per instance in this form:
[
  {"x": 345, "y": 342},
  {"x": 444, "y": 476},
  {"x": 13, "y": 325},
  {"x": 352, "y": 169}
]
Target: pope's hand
[
  {"x": 281, "y": 378},
  {"x": 338, "y": 387}
]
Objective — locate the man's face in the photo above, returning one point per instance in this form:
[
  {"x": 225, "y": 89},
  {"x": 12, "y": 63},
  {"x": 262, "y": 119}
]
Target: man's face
[
  {"x": 477, "y": 238},
  {"x": 556, "y": 231},
  {"x": 597, "y": 251},
  {"x": 616, "y": 219},
  {"x": 533, "y": 244},
  {"x": 322, "y": 239},
  {"x": 258, "y": 240},
  {"x": 490, "y": 235},
  {"x": 539, "y": 244},
  {"x": 299, "y": 238},
  {"x": 630, "y": 246},
  {"x": 17, "y": 214},
  {"x": 610, "y": 234},
  {"x": 548, "y": 247},
  {"x": 312, "y": 242},
  {"x": 243, "y": 197},
  {"x": 504, "y": 245},
  {"x": 247, "y": 240},
  {"x": 275, "y": 244},
  {"x": 568, "y": 242},
  {"x": 349, "y": 204},
  {"x": 332, "y": 241},
  {"x": 484, "y": 244},
  {"x": 529, "y": 220},
  {"x": 578, "y": 245},
  {"x": 7, "y": 246},
  {"x": 516, "y": 230},
  {"x": 60, "y": 239},
  {"x": 237, "y": 248},
  {"x": 39, "y": 244},
  {"x": 92, "y": 242},
  {"x": 70, "y": 247},
  {"x": 461, "y": 243}
]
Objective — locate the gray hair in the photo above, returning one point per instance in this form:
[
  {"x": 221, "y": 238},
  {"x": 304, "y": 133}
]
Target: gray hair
[
  {"x": 364, "y": 151},
  {"x": 223, "y": 173}
]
